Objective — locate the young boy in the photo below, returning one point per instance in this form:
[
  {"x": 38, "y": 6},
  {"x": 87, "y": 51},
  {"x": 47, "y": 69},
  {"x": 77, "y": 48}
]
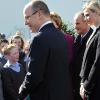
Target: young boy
[{"x": 12, "y": 73}]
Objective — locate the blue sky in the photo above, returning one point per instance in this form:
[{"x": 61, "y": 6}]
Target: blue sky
[
  {"x": 11, "y": 16},
  {"x": 65, "y": 8}
]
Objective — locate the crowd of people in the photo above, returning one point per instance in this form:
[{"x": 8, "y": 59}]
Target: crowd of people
[{"x": 54, "y": 65}]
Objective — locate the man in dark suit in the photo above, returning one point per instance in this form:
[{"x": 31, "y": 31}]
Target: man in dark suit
[
  {"x": 48, "y": 77},
  {"x": 84, "y": 31}
]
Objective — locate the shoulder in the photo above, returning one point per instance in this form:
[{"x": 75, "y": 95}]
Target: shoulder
[
  {"x": 5, "y": 70},
  {"x": 69, "y": 37}
]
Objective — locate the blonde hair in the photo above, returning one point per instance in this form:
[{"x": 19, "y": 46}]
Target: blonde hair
[
  {"x": 93, "y": 6},
  {"x": 6, "y": 50}
]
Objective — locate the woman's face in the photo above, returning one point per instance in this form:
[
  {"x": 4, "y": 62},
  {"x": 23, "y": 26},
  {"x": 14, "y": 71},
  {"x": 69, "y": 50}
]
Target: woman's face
[
  {"x": 90, "y": 17},
  {"x": 17, "y": 42}
]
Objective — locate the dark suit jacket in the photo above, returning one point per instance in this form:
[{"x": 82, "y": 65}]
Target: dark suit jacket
[
  {"x": 11, "y": 81},
  {"x": 48, "y": 77},
  {"x": 90, "y": 72},
  {"x": 79, "y": 48}
]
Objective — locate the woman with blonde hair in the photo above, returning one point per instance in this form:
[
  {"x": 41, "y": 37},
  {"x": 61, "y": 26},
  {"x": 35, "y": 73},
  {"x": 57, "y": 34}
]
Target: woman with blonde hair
[{"x": 90, "y": 71}]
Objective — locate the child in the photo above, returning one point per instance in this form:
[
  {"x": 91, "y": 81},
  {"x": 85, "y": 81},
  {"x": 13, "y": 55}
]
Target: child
[
  {"x": 12, "y": 73},
  {"x": 18, "y": 41},
  {"x": 3, "y": 43}
]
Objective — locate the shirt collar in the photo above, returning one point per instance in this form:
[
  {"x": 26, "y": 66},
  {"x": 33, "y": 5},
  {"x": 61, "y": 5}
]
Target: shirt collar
[
  {"x": 82, "y": 36},
  {"x": 48, "y": 22},
  {"x": 15, "y": 67},
  {"x": 1, "y": 55}
]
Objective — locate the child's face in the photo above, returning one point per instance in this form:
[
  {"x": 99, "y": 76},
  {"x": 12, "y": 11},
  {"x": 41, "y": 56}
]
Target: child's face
[
  {"x": 13, "y": 56},
  {"x": 3, "y": 45}
]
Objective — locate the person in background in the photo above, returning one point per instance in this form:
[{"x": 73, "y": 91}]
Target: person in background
[
  {"x": 18, "y": 41},
  {"x": 3, "y": 43},
  {"x": 2, "y": 36},
  {"x": 84, "y": 31},
  {"x": 12, "y": 73},
  {"x": 57, "y": 21},
  {"x": 48, "y": 76},
  {"x": 90, "y": 72},
  {"x": 26, "y": 51}
]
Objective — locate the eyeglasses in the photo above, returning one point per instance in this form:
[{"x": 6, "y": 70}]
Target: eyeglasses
[
  {"x": 33, "y": 13},
  {"x": 28, "y": 17}
]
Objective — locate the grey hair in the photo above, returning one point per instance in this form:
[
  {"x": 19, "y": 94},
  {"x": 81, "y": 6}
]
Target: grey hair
[{"x": 80, "y": 14}]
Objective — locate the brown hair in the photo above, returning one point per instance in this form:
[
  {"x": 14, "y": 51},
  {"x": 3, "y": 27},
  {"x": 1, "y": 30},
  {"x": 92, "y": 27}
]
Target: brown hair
[
  {"x": 17, "y": 37},
  {"x": 57, "y": 19}
]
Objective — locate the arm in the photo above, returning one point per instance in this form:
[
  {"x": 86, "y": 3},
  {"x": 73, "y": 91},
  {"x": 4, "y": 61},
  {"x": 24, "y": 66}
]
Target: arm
[
  {"x": 38, "y": 56},
  {"x": 94, "y": 72}
]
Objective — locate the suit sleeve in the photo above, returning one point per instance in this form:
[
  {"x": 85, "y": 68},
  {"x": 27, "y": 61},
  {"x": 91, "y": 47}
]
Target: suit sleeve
[
  {"x": 94, "y": 72},
  {"x": 38, "y": 55}
]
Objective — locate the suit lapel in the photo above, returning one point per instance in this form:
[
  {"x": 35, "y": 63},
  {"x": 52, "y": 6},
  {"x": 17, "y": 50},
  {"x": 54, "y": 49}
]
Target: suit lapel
[
  {"x": 88, "y": 44},
  {"x": 92, "y": 35}
]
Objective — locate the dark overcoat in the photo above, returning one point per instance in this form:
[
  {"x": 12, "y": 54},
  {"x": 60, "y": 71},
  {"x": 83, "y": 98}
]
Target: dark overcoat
[{"x": 48, "y": 77}]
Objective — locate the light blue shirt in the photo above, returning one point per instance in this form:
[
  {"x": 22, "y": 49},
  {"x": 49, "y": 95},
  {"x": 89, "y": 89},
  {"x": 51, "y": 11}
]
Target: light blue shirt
[{"x": 15, "y": 67}]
